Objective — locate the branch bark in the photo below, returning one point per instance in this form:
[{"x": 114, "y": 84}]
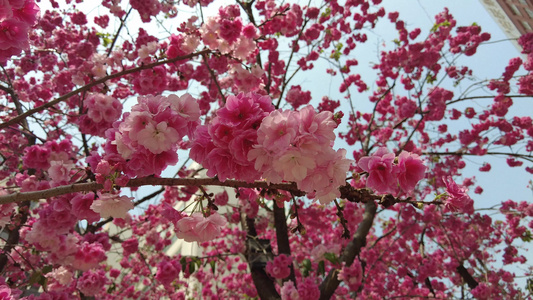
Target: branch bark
[
  {"x": 258, "y": 253},
  {"x": 472, "y": 283},
  {"x": 282, "y": 236},
  {"x": 150, "y": 180},
  {"x": 14, "y": 235},
  {"x": 331, "y": 282}
]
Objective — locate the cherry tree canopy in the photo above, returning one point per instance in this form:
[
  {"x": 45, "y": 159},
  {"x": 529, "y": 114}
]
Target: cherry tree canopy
[{"x": 97, "y": 105}]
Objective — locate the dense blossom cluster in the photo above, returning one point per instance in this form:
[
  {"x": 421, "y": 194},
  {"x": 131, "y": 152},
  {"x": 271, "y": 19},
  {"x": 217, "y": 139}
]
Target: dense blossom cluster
[
  {"x": 388, "y": 174},
  {"x": 102, "y": 111},
  {"x": 197, "y": 228},
  {"x": 296, "y": 146},
  {"x": 16, "y": 19},
  {"x": 222, "y": 147},
  {"x": 146, "y": 140}
]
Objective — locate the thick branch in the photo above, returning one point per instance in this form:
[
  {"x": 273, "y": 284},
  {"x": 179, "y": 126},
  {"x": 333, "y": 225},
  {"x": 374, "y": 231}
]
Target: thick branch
[
  {"x": 14, "y": 235},
  {"x": 258, "y": 252},
  {"x": 137, "y": 182},
  {"x": 282, "y": 235},
  {"x": 30, "y": 112},
  {"x": 331, "y": 282},
  {"x": 472, "y": 283}
]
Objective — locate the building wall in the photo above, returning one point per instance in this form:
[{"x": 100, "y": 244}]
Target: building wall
[{"x": 515, "y": 17}]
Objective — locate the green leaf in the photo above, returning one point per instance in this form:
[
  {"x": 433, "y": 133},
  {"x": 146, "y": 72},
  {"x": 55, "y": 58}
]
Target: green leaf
[
  {"x": 442, "y": 196},
  {"x": 47, "y": 269},
  {"x": 321, "y": 268},
  {"x": 192, "y": 267},
  {"x": 37, "y": 277},
  {"x": 331, "y": 257},
  {"x": 336, "y": 55},
  {"x": 111, "y": 288},
  {"x": 526, "y": 236},
  {"x": 437, "y": 26},
  {"x": 306, "y": 264},
  {"x": 430, "y": 79},
  {"x": 326, "y": 13}
]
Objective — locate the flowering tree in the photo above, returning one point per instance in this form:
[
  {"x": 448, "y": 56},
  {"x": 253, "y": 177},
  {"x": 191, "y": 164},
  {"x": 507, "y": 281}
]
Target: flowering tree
[{"x": 91, "y": 113}]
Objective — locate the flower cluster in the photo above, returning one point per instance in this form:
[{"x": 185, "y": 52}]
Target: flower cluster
[
  {"x": 458, "y": 199},
  {"x": 197, "y": 228},
  {"x": 227, "y": 33},
  {"x": 297, "y": 146},
  {"x": 16, "y": 18},
  {"x": 388, "y": 174},
  {"x": 109, "y": 205},
  {"x": 279, "y": 267},
  {"x": 102, "y": 111},
  {"x": 222, "y": 147},
  {"x": 168, "y": 271},
  {"x": 146, "y": 140},
  {"x": 150, "y": 81}
]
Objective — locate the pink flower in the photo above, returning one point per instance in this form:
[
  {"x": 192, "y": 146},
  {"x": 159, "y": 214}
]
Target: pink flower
[
  {"x": 210, "y": 227},
  {"x": 230, "y": 30},
  {"x": 59, "y": 172},
  {"x": 296, "y": 97},
  {"x": 294, "y": 165},
  {"x": 381, "y": 171},
  {"x": 186, "y": 106},
  {"x": 109, "y": 205},
  {"x": 221, "y": 198},
  {"x": 279, "y": 267},
  {"x": 411, "y": 170},
  {"x": 92, "y": 283},
  {"x": 458, "y": 199},
  {"x": 13, "y": 34},
  {"x": 168, "y": 271},
  {"x": 289, "y": 292},
  {"x": 130, "y": 246},
  {"x": 88, "y": 256},
  {"x": 81, "y": 207},
  {"x": 186, "y": 227},
  {"x": 198, "y": 228},
  {"x": 158, "y": 138},
  {"x": 62, "y": 275},
  {"x": 278, "y": 130}
]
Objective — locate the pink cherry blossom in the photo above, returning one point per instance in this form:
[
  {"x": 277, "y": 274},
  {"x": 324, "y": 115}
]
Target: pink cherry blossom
[
  {"x": 458, "y": 199},
  {"x": 381, "y": 171},
  {"x": 411, "y": 170},
  {"x": 158, "y": 138},
  {"x": 198, "y": 228},
  {"x": 109, "y": 205},
  {"x": 279, "y": 267}
]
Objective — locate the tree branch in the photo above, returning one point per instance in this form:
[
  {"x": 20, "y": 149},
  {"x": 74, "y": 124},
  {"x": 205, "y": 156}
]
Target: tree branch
[
  {"x": 282, "y": 235},
  {"x": 150, "y": 180},
  {"x": 472, "y": 283},
  {"x": 14, "y": 235},
  {"x": 258, "y": 252},
  {"x": 331, "y": 282},
  {"x": 213, "y": 77},
  {"x": 459, "y": 153},
  {"x": 30, "y": 112}
]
